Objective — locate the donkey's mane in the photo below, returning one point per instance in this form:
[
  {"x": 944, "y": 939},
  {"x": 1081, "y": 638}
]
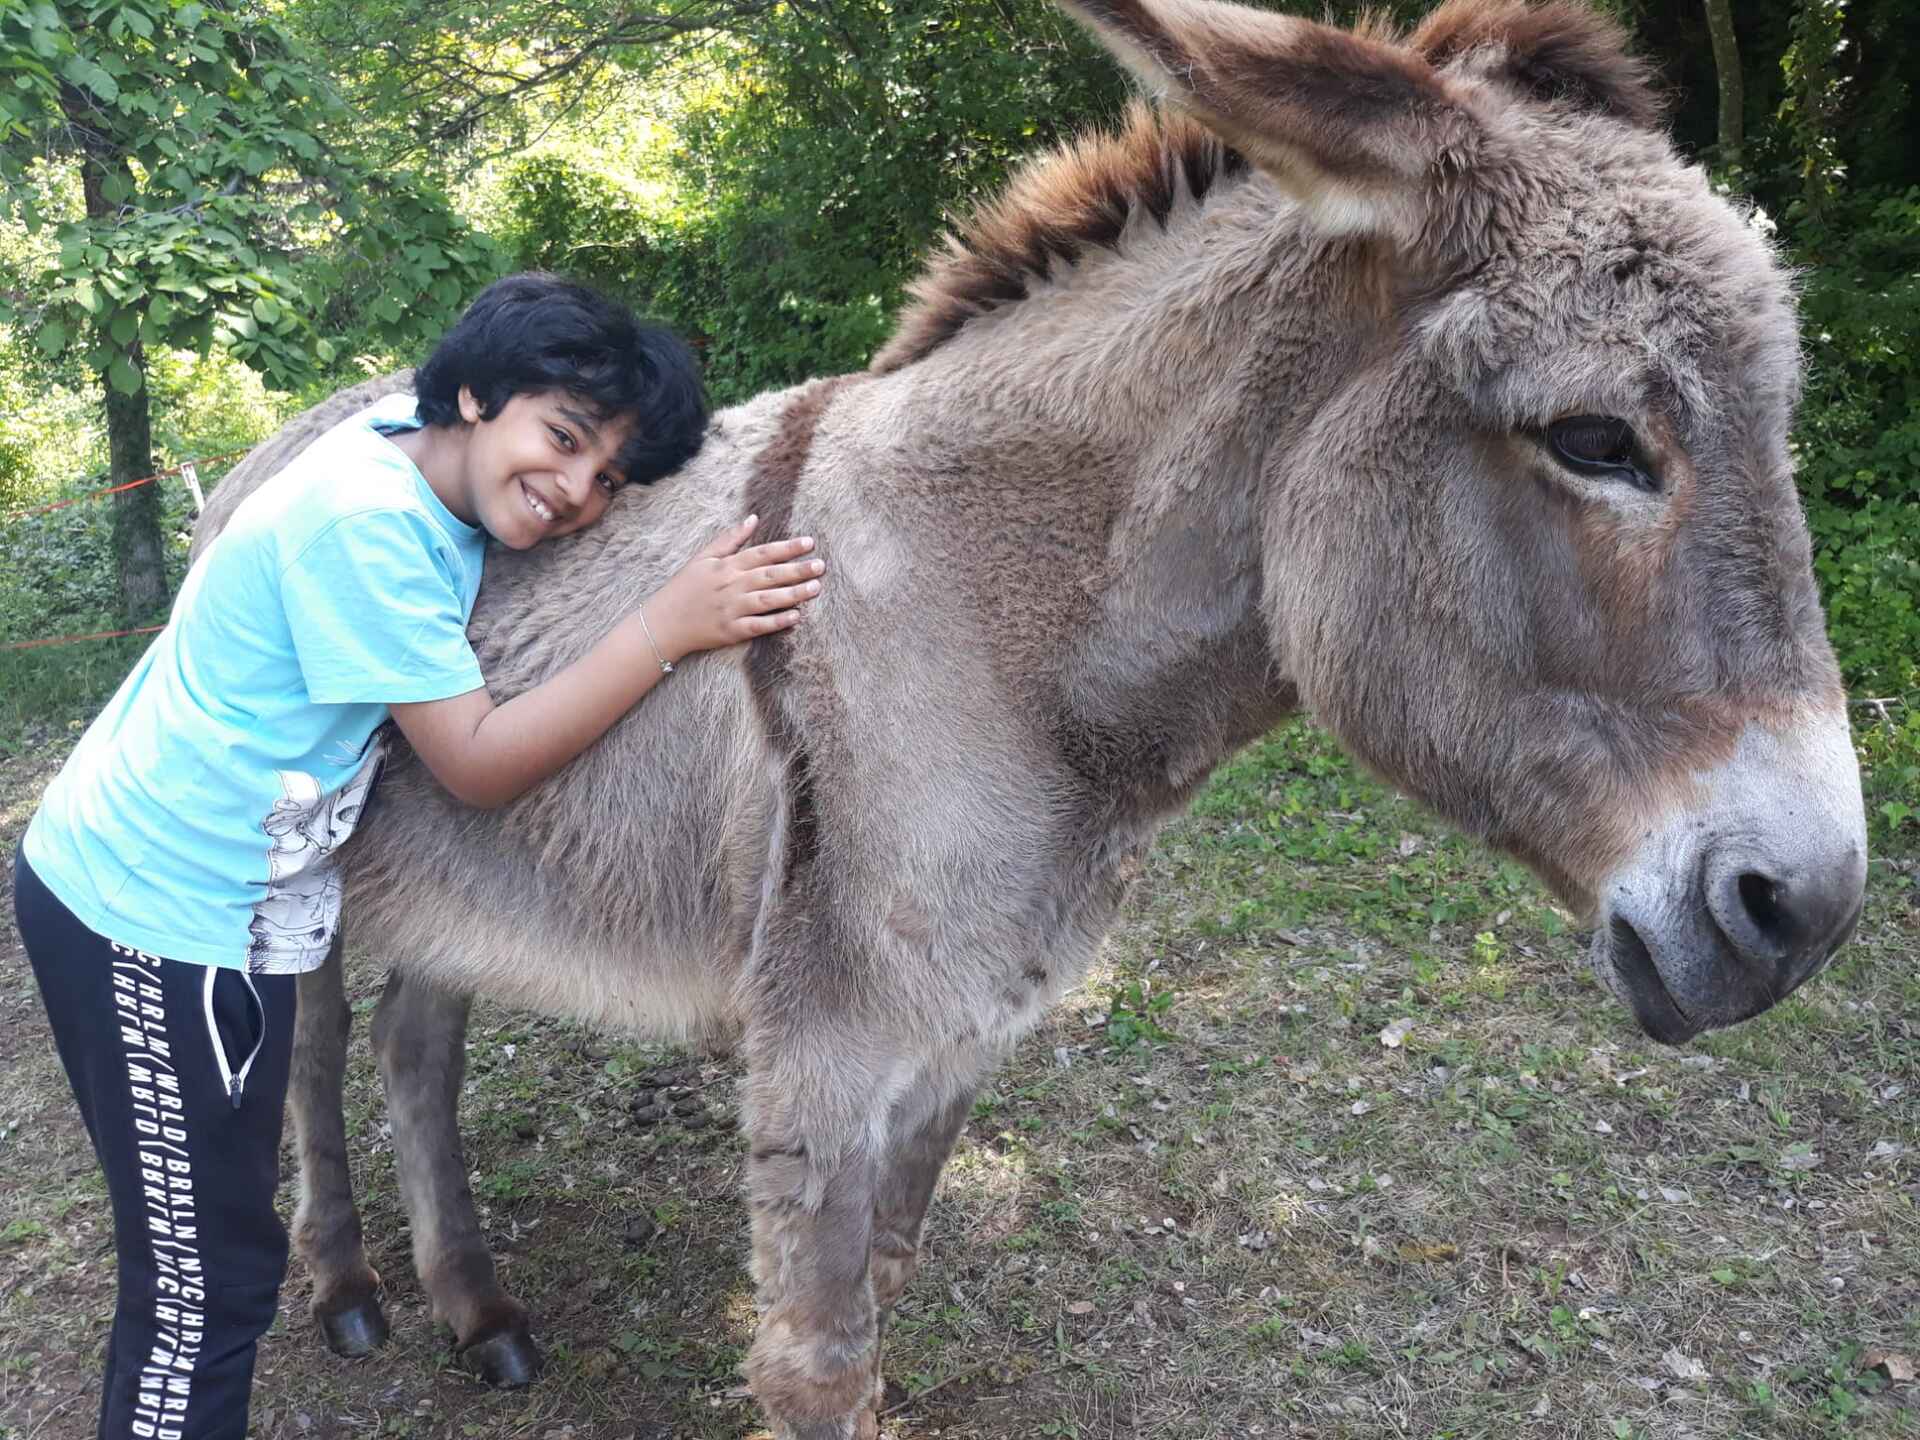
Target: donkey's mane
[
  {"x": 1559, "y": 53},
  {"x": 1055, "y": 208}
]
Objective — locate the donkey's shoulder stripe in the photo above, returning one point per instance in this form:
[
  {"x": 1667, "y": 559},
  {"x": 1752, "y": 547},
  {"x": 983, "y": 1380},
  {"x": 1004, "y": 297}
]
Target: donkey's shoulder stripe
[
  {"x": 769, "y": 494},
  {"x": 776, "y": 469}
]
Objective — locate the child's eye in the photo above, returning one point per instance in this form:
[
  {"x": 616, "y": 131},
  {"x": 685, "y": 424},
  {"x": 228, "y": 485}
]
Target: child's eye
[
  {"x": 561, "y": 438},
  {"x": 608, "y": 483}
]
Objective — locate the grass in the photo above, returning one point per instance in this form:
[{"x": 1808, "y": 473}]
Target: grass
[
  {"x": 50, "y": 693},
  {"x": 1205, "y": 1199}
]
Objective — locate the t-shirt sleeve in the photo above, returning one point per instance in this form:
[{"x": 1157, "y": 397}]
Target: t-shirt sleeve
[{"x": 374, "y": 614}]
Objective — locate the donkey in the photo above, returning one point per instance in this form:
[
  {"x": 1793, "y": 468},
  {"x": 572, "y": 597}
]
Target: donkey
[{"x": 1414, "y": 383}]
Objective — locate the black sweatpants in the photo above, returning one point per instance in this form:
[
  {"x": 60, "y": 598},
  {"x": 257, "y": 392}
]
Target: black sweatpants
[{"x": 181, "y": 1075}]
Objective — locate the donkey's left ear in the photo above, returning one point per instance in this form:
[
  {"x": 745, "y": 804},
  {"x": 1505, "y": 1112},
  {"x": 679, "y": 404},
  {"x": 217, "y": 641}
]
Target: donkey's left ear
[
  {"x": 1557, "y": 53},
  {"x": 1356, "y": 127}
]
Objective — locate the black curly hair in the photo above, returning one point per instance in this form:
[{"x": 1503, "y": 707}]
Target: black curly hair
[{"x": 535, "y": 333}]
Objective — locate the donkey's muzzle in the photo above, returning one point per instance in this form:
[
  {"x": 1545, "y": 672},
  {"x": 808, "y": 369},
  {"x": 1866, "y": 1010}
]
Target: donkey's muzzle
[
  {"x": 1741, "y": 893},
  {"x": 1743, "y": 936}
]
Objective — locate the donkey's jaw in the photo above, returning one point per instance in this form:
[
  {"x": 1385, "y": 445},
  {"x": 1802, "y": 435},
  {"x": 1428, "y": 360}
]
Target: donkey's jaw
[{"x": 1746, "y": 891}]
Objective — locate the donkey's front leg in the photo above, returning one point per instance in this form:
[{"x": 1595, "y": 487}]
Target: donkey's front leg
[
  {"x": 419, "y": 1034},
  {"x": 921, "y": 1135},
  {"x": 812, "y": 1199},
  {"x": 326, "y": 1227}
]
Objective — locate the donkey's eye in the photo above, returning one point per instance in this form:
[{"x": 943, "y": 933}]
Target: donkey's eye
[{"x": 1600, "y": 445}]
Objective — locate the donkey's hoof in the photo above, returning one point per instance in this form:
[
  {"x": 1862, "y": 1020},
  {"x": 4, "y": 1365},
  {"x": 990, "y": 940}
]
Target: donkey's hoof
[
  {"x": 358, "y": 1330},
  {"x": 506, "y": 1361}
]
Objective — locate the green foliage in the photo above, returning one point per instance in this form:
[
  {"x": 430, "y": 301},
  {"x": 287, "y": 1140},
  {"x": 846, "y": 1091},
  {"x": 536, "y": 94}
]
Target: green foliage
[
  {"x": 1134, "y": 1015},
  {"x": 57, "y": 570},
  {"x": 1815, "y": 87},
  {"x": 1857, "y": 447},
  {"x": 219, "y": 203},
  {"x": 813, "y": 175},
  {"x": 1889, "y": 748}
]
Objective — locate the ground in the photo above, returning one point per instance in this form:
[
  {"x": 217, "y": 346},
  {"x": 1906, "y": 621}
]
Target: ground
[{"x": 1339, "y": 1141}]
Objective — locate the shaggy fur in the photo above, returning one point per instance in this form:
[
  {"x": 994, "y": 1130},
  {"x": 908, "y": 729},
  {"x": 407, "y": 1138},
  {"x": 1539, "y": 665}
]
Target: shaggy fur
[{"x": 1168, "y": 447}]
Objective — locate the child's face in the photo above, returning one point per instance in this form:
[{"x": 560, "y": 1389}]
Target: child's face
[{"x": 539, "y": 468}]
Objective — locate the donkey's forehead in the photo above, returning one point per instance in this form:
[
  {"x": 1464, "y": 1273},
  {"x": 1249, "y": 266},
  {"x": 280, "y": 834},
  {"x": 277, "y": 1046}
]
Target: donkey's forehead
[{"x": 1612, "y": 266}]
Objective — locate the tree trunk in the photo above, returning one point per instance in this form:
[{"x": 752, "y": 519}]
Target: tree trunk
[
  {"x": 1733, "y": 99},
  {"x": 137, "y": 549}
]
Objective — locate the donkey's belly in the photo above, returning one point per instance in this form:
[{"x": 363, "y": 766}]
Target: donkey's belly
[
  {"x": 539, "y": 952},
  {"x": 621, "y": 892}
]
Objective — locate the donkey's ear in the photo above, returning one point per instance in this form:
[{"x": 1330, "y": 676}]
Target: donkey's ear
[
  {"x": 1560, "y": 52},
  {"x": 1356, "y": 127}
]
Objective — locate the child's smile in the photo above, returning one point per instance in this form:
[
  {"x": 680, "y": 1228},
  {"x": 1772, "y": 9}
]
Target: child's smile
[
  {"x": 538, "y": 469},
  {"x": 536, "y": 504}
]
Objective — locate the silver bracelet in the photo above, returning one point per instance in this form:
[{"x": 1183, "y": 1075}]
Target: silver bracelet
[{"x": 666, "y": 665}]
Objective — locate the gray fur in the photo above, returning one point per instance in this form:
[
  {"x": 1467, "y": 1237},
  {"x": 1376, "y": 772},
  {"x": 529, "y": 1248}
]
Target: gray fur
[{"x": 1121, "y": 495}]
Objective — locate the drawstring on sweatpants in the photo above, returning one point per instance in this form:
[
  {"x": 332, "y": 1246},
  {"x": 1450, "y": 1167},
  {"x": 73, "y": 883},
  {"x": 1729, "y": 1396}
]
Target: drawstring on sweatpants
[{"x": 234, "y": 1083}]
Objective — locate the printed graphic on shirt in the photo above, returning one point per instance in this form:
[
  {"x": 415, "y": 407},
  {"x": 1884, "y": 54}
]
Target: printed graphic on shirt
[{"x": 293, "y": 923}]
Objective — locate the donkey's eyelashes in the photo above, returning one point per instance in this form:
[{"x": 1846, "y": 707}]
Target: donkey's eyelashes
[
  {"x": 1600, "y": 445},
  {"x": 1592, "y": 442}
]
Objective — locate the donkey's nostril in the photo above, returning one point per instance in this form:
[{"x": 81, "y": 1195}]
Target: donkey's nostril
[
  {"x": 1783, "y": 918},
  {"x": 1761, "y": 899},
  {"x": 1760, "y": 914}
]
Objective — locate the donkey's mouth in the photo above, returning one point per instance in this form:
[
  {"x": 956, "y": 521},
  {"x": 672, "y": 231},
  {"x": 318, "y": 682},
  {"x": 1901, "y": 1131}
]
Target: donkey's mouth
[{"x": 1652, "y": 1003}]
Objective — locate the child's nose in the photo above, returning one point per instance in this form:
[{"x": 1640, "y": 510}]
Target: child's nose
[{"x": 576, "y": 482}]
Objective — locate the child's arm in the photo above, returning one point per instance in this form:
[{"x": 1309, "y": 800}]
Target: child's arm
[{"x": 488, "y": 754}]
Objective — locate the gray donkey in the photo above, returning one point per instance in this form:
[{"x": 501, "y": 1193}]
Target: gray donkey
[{"x": 1414, "y": 383}]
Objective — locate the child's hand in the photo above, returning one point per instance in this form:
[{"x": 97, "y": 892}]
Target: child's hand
[{"x": 725, "y": 595}]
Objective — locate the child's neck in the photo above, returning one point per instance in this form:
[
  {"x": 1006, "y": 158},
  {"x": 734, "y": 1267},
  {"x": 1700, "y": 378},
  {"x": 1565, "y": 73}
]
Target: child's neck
[{"x": 439, "y": 452}]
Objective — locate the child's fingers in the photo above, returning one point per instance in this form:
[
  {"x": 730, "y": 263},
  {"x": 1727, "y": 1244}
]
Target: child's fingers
[
  {"x": 783, "y": 598},
  {"x": 775, "y": 551},
  {"x": 751, "y": 625},
  {"x": 791, "y": 574},
  {"x": 730, "y": 539}
]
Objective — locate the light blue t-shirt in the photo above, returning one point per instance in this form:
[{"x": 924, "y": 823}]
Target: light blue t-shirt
[{"x": 195, "y": 818}]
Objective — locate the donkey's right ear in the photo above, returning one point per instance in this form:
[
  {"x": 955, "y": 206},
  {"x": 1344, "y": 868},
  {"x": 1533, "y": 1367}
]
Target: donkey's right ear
[{"x": 1354, "y": 127}]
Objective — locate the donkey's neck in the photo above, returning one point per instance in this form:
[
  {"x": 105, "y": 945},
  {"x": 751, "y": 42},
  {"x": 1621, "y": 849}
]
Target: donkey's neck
[{"x": 1105, "y": 440}]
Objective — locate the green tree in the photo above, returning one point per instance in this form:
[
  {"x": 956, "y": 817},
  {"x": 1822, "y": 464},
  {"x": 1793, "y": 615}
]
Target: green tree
[
  {"x": 456, "y": 82},
  {"x": 221, "y": 198},
  {"x": 816, "y": 157}
]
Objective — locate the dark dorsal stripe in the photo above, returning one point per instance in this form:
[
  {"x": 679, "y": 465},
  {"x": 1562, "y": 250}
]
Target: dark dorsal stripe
[{"x": 769, "y": 494}]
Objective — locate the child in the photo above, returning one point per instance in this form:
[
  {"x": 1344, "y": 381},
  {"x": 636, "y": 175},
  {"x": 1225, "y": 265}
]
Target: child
[{"x": 177, "y": 879}]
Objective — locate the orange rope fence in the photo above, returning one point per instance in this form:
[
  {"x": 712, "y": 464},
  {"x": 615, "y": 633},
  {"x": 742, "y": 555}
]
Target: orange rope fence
[
  {"x": 71, "y": 639},
  {"x": 128, "y": 485},
  {"x": 185, "y": 467}
]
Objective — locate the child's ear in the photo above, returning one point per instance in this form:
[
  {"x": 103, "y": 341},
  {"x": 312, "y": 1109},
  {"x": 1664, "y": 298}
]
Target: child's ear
[{"x": 469, "y": 407}]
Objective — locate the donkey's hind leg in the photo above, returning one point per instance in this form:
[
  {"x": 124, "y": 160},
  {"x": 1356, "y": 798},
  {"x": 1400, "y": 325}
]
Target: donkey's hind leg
[
  {"x": 326, "y": 1227},
  {"x": 419, "y": 1034}
]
